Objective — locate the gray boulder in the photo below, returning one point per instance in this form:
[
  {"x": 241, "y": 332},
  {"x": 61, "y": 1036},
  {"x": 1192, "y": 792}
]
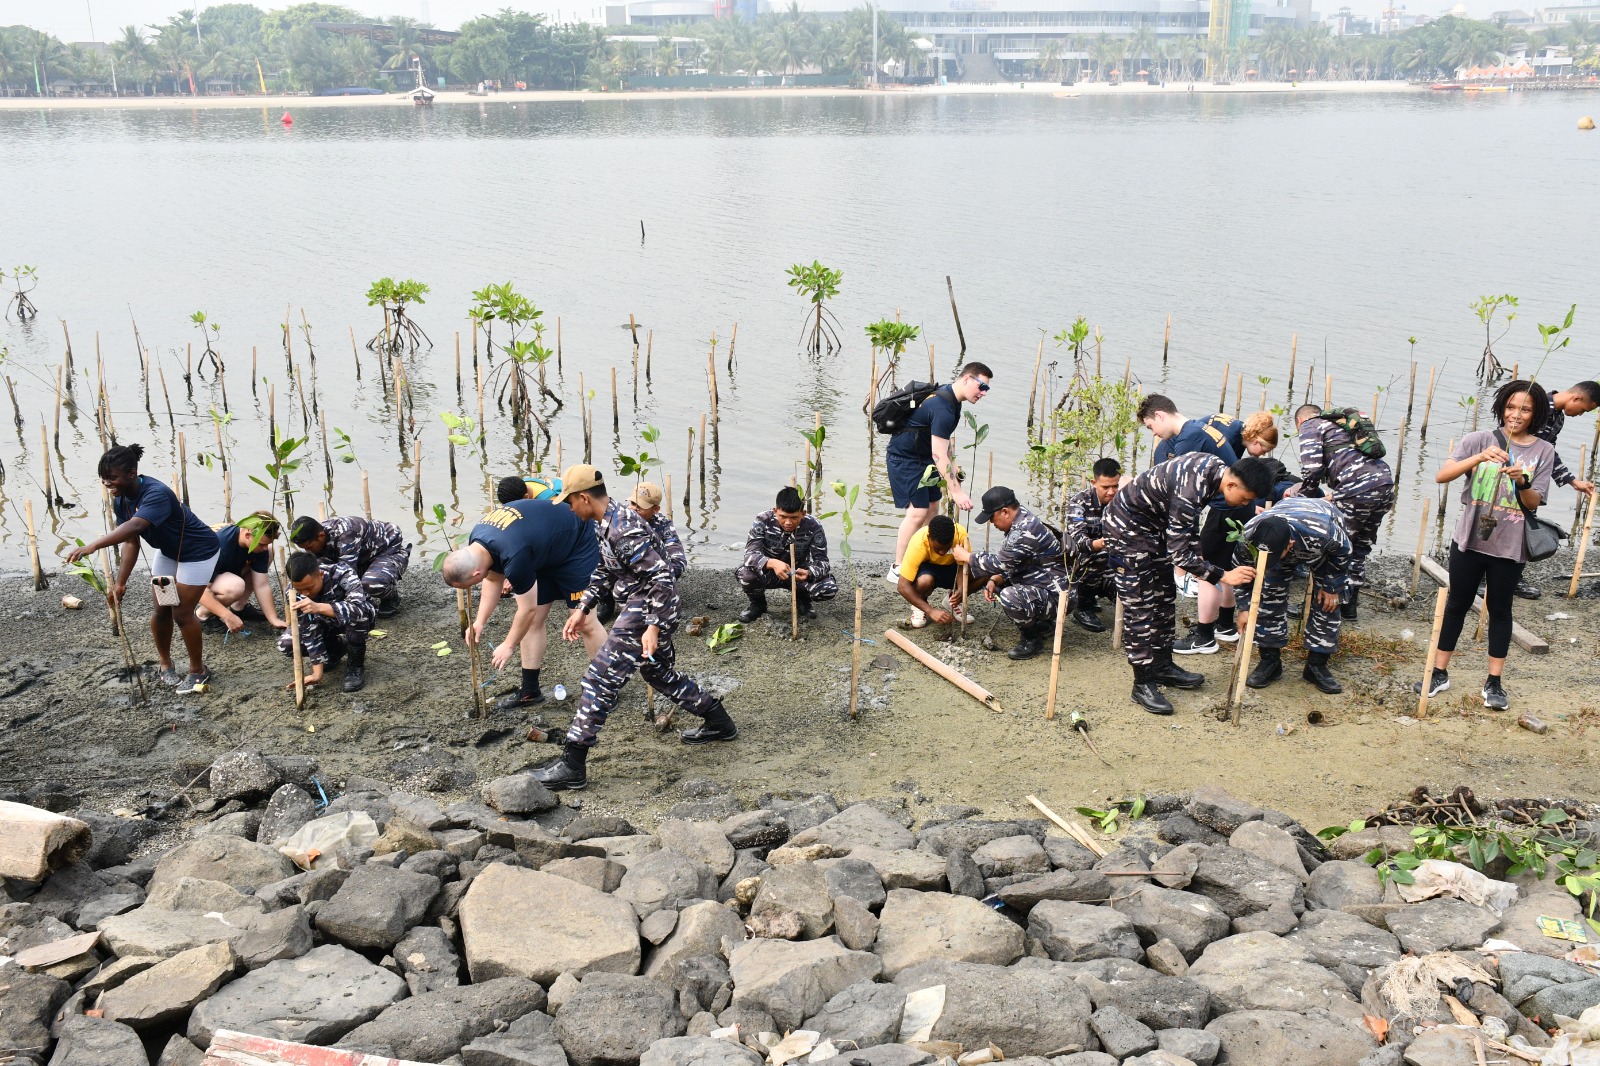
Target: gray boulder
[
  {"x": 171, "y": 988},
  {"x": 700, "y": 932},
  {"x": 1276, "y": 1037},
  {"x": 759, "y": 828},
  {"x": 799, "y": 889},
  {"x": 1441, "y": 925},
  {"x": 146, "y": 931},
  {"x": 1272, "y": 844},
  {"x": 289, "y": 808},
  {"x": 232, "y": 860},
  {"x": 98, "y": 1042},
  {"x": 526, "y": 923},
  {"x": 375, "y": 906},
  {"x": 284, "y": 934},
  {"x": 863, "y": 826},
  {"x": 855, "y": 878},
  {"x": 905, "y": 868},
  {"x": 1343, "y": 881},
  {"x": 1259, "y": 971},
  {"x": 435, "y": 1025},
  {"x": 1190, "y": 921},
  {"x": 28, "y": 1002},
  {"x": 857, "y": 927},
  {"x": 1440, "y": 1047},
  {"x": 242, "y": 775},
  {"x": 612, "y": 1019},
  {"x": 698, "y": 1051},
  {"x": 793, "y": 980},
  {"x": 1121, "y": 1035},
  {"x": 315, "y": 999},
  {"x": 1523, "y": 973},
  {"x": 918, "y": 927},
  {"x": 1215, "y": 809},
  {"x": 1072, "y": 886},
  {"x": 1084, "y": 1058},
  {"x": 193, "y": 894},
  {"x": 1157, "y": 1000},
  {"x": 428, "y": 959},
  {"x": 1011, "y": 855},
  {"x": 1569, "y": 999},
  {"x": 1078, "y": 932},
  {"x": 700, "y": 841},
  {"x": 602, "y": 875},
  {"x": 420, "y": 811},
  {"x": 963, "y": 875},
  {"x": 179, "y": 1052},
  {"x": 1345, "y": 944},
  {"x": 1022, "y": 1010},
  {"x": 1067, "y": 854},
  {"x": 1196, "y": 1045},
  {"x": 865, "y": 1014},
  {"x": 965, "y": 834},
  {"x": 1242, "y": 883},
  {"x": 519, "y": 794},
  {"x": 882, "y": 1055},
  {"x": 664, "y": 880}
]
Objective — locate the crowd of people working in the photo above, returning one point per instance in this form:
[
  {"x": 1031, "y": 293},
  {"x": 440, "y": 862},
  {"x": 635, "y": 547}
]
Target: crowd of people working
[{"x": 1213, "y": 505}]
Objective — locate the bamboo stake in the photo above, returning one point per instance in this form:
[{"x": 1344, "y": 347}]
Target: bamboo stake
[
  {"x": 933, "y": 373},
  {"x": 1033, "y": 391},
  {"x": 733, "y": 338},
  {"x": 416, "y": 477},
  {"x": 1594, "y": 451},
  {"x": 1305, "y": 608},
  {"x": 688, "y": 474},
  {"x": 1227, "y": 376},
  {"x": 1583, "y": 549},
  {"x": 1055, "y": 658},
  {"x": 68, "y": 338},
  {"x": 114, "y": 609},
  {"x": 702, "y": 455},
  {"x": 1327, "y": 391},
  {"x": 165, "y": 396},
  {"x": 1097, "y": 351},
  {"x": 961, "y": 583},
  {"x": 40, "y": 583},
  {"x": 366, "y": 496},
  {"x": 1247, "y": 639},
  {"x": 666, "y": 497},
  {"x": 794, "y": 599},
  {"x": 227, "y": 478},
  {"x": 188, "y": 371},
  {"x": 1074, "y": 831},
  {"x": 1411, "y": 390},
  {"x": 1294, "y": 353},
  {"x": 183, "y": 467},
  {"x": 559, "y": 367},
  {"x": 1375, "y": 396},
  {"x": 970, "y": 687},
  {"x": 1116, "y": 626},
  {"x": 458, "y": 367},
  {"x": 57, "y": 433},
  {"x": 1166, "y": 340},
  {"x": 327, "y": 457},
  {"x": 1583, "y": 459},
  {"x": 293, "y": 618},
  {"x": 650, "y": 344},
  {"x": 480, "y": 707},
  {"x": 355, "y": 354},
  {"x": 483, "y": 429},
  {"x": 272, "y": 418},
  {"x": 1433, "y": 650},
  {"x": 1416, "y": 563},
  {"x": 616, "y": 419},
  {"x": 144, "y": 376},
  {"x": 855, "y": 659},
  {"x": 49, "y": 482},
  {"x": 1238, "y": 396},
  {"x": 872, "y": 387},
  {"x": 711, "y": 369},
  {"x": 1427, "y": 407}
]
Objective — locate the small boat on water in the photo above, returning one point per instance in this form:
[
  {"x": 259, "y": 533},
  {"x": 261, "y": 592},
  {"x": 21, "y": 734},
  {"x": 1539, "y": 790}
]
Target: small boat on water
[
  {"x": 1488, "y": 88},
  {"x": 1446, "y": 86}
]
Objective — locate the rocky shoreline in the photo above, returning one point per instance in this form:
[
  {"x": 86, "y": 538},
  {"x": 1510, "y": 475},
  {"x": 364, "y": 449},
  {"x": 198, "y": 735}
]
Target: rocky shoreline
[{"x": 515, "y": 930}]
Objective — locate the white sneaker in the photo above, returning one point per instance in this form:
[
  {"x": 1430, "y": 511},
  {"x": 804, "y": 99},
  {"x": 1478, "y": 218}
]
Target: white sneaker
[
  {"x": 959, "y": 615},
  {"x": 918, "y": 618},
  {"x": 893, "y": 576}
]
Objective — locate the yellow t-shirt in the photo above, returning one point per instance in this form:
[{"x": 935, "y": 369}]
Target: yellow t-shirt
[{"x": 918, "y": 552}]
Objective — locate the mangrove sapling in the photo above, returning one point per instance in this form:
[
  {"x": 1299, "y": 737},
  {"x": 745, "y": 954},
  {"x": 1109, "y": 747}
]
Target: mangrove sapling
[
  {"x": 1547, "y": 338},
  {"x": 889, "y": 336},
  {"x": 400, "y": 332},
  {"x": 1074, "y": 337},
  {"x": 818, "y": 284},
  {"x": 99, "y": 581},
  {"x": 209, "y": 331},
  {"x": 441, "y": 524},
  {"x": 1490, "y": 369},
  {"x": 23, "y": 280},
  {"x": 814, "y": 438},
  {"x": 848, "y": 495},
  {"x": 514, "y": 378},
  {"x": 1101, "y": 412},
  {"x": 638, "y": 466}
]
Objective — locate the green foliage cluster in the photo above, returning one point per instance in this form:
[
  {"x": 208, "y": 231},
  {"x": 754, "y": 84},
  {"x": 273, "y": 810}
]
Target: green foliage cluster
[
  {"x": 394, "y": 295},
  {"x": 1099, "y": 417}
]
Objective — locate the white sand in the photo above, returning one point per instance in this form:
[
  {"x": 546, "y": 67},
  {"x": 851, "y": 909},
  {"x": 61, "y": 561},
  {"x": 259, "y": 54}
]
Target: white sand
[{"x": 454, "y": 98}]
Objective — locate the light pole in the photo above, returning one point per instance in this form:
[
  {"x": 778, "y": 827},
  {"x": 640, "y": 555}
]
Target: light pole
[{"x": 874, "y": 44}]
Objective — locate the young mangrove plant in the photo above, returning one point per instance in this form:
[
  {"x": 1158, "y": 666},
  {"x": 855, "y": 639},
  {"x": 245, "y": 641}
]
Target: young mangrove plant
[
  {"x": 814, "y": 437},
  {"x": 1099, "y": 414},
  {"x": 847, "y": 523},
  {"x": 640, "y": 465},
  {"x": 1490, "y": 369},
  {"x": 1548, "y": 335},
  {"x": 818, "y": 284},
  {"x": 22, "y": 280},
  {"x": 400, "y": 332},
  {"x": 522, "y": 343},
  {"x": 209, "y": 331},
  {"x": 890, "y": 337},
  {"x": 980, "y": 433},
  {"x": 461, "y": 432},
  {"x": 1074, "y": 338}
]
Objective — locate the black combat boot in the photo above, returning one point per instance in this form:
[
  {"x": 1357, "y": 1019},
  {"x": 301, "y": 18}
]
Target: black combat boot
[
  {"x": 757, "y": 608},
  {"x": 389, "y": 605},
  {"x": 1146, "y": 693},
  {"x": 567, "y": 774},
  {"x": 355, "y": 671},
  {"x": 1268, "y": 670},
  {"x": 1164, "y": 671},
  {"x": 1087, "y": 616},
  {"x": 1316, "y": 672},
  {"x": 716, "y": 725},
  {"x": 1347, "y": 609},
  {"x": 802, "y": 604},
  {"x": 1031, "y": 644}
]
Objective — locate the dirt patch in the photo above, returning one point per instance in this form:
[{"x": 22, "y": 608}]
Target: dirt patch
[{"x": 69, "y": 719}]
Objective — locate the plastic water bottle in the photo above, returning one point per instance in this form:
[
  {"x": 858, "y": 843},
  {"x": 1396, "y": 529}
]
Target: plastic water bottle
[{"x": 559, "y": 692}]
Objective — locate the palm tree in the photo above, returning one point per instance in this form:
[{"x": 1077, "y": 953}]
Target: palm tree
[
  {"x": 407, "y": 43},
  {"x": 134, "y": 56},
  {"x": 789, "y": 41},
  {"x": 1142, "y": 46},
  {"x": 666, "y": 61},
  {"x": 1049, "y": 59}
]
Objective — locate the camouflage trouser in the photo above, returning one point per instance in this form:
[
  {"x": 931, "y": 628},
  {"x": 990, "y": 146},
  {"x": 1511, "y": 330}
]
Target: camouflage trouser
[
  {"x": 1149, "y": 607},
  {"x": 1363, "y": 508},
  {"x": 1026, "y": 604},
  {"x": 324, "y": 640},
  {"x": 619, "y": 657},
  {"x": 753, "y": 581},
  {"x": 382, "y": 576},
  {"x": 1095, "y": 578},
  {"x": 1272, "y": 625}
]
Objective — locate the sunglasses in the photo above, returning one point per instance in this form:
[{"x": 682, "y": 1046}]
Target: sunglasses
[{"x": 983, "y": 386}]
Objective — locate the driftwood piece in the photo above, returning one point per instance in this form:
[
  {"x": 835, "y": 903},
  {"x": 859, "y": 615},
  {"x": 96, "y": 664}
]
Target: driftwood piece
[
  {"x": 949, "y": 673},
  {"x": 33, "y": 843}
]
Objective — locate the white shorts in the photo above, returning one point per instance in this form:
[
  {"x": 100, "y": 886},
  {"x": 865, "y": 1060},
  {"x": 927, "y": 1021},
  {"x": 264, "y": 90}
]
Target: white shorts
[{"x": 196, "y": 573}]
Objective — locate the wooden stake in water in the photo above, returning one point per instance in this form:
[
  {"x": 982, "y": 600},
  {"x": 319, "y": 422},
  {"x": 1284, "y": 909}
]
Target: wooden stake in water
[
  {"x": 165, "y": 396},
  {"x": 416, "y": 477},
  {"x": 1294, "y": 353},
  {"x": 688, "y": 474},
  {"x": 1411, "y": 390},
  {"x": 366, "y": 496},
  {"x": 183, "y": 468},
  {"x": 458, "y": 367},
  {"x": 794, "y": 599},
  {"x": 650, "y": 344},
  {"x": 1033, "y": 390},
  {"x": 1247, "y": 639},
  {"x": 1416, "y": 562},
  {"x": 1227, "y": 377},
  {"x": 711, "y": 370},
  {"x": 355, "y": 354},
  {"x": 272, "y": 418},
  {"x": 1583, "y": 549},
  {"x": 1055, "y": 658},
  {"x": 57, "y": 433},
  {"x": 702, "y": 455},
  {"x": 616, "y": 419},
  {"x": 40, "y": 583},
  {"x": 227, "y": 481},
  {"x": 1433, "y": 651},
  {"x": 1238, "y": 396},
  {"x": 1166, "y": 341},
  {"x": 855, "y": 659},
  {"x": 666, "y": 497},
  {"x": 933, "y": 374},
  {"x": 1427, "y": 407},
  {"x": 1327, "y": 391}
]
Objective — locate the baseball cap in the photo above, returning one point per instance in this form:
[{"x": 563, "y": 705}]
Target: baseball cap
[
  {"x": 580, "y": 478},
  {"x": 996, "y": 499},
  {"x": 1272, "y": 533},
  {"x": 646, "y": 495}
]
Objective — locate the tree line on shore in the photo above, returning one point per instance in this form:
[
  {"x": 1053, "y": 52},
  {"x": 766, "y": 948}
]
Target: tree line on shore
[{"x": 239, "y": 47}]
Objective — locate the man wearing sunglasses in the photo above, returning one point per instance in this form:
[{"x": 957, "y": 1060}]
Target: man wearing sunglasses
[{"x": 925, "y": 442}]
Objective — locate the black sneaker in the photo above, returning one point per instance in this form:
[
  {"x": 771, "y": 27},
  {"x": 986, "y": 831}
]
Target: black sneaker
[
  {"x": 518, "y": 701},
  {"x": 1148, "y": 695},
  {"x": 1494, "y": 696},
  {"x": 1437, "y": 683},
  {"x": 1196, "y": 643},
  {"x": 1528, "y": 591},
  {"x": 213, "y": 627}
]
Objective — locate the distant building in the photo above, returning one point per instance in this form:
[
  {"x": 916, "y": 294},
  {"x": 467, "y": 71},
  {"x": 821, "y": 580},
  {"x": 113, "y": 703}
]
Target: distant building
[
  {"x": 1545, "y": 17},
  {"x": 1345, "y": 23}
]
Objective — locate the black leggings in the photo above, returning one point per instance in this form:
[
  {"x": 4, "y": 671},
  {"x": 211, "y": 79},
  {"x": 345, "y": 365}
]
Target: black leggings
[{"x": 1468, "y": 570}]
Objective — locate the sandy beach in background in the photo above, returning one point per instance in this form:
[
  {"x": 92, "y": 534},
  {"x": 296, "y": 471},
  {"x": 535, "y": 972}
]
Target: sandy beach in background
[{"x": 451, "y": 97}]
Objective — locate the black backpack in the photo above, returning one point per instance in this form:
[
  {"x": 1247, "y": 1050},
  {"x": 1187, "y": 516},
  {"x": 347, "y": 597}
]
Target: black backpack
[
  {"x": 1359, "y": 428},
  {"x": 891, "y": 413}
]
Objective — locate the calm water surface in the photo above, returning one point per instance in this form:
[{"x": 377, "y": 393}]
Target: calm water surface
[{"x": 1354, "y": 222}]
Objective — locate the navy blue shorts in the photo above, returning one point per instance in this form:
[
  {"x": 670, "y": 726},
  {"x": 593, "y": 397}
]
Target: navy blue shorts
[
  {"x": 904, "y": 477},
  {"x": 567, "y": 581},
  {"x": 944, "y": 575}
]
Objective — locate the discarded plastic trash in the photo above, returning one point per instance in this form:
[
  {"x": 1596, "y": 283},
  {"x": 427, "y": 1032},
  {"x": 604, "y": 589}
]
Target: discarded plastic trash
[
  {"x": 559, "y": 692},
  {"x": 1532, "y": 724},
  {"x": 313, "y": 845},
  {"x": 1440, "y": 877},
  {"x": 1562, "y": 929}
]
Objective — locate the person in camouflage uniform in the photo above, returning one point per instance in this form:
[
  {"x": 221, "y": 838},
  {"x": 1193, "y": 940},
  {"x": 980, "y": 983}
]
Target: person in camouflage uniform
[
  {"x": 376, "y": 551},
  {"x": 1298, "y": 532},
  {"x": 640, "y": 639},
  {"x": 766, "y": 557},
  {"x": 335, "y": 614},
  {"x": 1084, "y": 538},
  {"x": 1026, "y": 575},
  {"x": 1577, "y": 401},
  {"x": 1152, "y": 525},
  {"x": 646, "y": 504},
  {"x": 1360, "y": 486}
]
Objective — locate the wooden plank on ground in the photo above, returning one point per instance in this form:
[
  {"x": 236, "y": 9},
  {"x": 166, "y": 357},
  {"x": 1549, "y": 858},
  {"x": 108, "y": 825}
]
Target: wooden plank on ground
[
  {"x": 33, "y": 843},
  {"x": 1526, "y": 639},
  {"x": 229, "y": 1048}
]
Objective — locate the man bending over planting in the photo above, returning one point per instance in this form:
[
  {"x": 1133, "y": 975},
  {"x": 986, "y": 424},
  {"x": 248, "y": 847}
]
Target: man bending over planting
[
  {"x": 376, "y": 551},
  {"x": 766, "y": 557},
  {"x": 1026, "y": 575},
  {"x": 335, "y": 616},
  {"x": 929, "y": 565}
]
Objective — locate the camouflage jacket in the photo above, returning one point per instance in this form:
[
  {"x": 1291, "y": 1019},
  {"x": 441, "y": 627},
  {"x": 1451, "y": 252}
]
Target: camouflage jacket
[
  {"x": 632, "y": 568},
  {"x": 1319, "y": 540},
  {"x": 1031, "y": 555},
  {"x": 342, "y": 590},
  {"x": 767, "y": 540},
  {"x": 355, "y": 542}
]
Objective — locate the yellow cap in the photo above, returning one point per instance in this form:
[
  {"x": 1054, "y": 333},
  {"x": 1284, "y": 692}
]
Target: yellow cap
[{"x": 580, "y": 478}]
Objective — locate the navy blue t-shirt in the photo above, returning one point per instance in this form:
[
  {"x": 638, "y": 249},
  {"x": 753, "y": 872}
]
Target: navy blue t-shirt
[
  {"x": 939, "y": 416},
  {"x": 232, "y": 558},
  {"x": 1198, "y": 435},
  {"x": 524, "y": 537},
  {"x": 171, "y": 523}
]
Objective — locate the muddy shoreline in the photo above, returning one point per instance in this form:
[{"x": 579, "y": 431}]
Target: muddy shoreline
[{"x": 71, "y": 728}]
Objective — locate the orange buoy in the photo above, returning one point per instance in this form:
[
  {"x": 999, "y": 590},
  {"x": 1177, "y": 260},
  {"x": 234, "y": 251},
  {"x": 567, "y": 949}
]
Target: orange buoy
[
  {"x": 1586, "y": 123},
  {"x": 287, "y": 119}
]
